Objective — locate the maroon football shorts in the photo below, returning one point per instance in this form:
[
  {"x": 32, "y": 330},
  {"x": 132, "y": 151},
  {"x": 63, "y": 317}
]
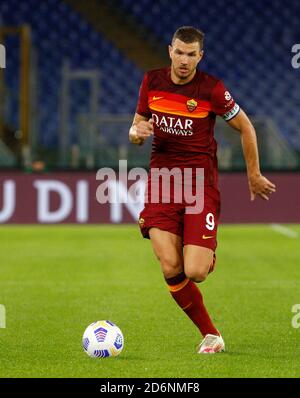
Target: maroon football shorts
[{"x": 195, "y": 229}]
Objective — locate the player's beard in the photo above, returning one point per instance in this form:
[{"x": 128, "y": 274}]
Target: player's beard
[{"x": 183, "y": 74}]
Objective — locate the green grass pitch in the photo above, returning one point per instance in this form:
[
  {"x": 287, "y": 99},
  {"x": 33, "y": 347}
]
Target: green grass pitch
[{"x": 56, "y": 280}]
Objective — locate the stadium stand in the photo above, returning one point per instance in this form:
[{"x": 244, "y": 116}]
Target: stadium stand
[{"x": 248, "y": 46}]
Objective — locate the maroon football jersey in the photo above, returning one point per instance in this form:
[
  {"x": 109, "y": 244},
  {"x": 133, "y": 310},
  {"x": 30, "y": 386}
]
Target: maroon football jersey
[{"x": 184, "y": 118}]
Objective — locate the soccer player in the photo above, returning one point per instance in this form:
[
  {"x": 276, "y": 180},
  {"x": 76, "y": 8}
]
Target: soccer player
[{"x": 178, "y": 106}]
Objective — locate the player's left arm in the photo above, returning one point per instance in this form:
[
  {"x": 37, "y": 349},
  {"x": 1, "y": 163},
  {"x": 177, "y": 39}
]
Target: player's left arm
[{"x": 258, "y": 184}]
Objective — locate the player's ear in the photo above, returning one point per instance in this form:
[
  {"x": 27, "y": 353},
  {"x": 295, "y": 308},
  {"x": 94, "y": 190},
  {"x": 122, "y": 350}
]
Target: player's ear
[
  {"x": 170, "y": 48},
  {"x": 201, "y": 55}
]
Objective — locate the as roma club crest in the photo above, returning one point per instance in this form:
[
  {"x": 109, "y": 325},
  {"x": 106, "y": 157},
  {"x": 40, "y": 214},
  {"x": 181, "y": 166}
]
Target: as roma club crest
[{"x": 191, "y": 105}]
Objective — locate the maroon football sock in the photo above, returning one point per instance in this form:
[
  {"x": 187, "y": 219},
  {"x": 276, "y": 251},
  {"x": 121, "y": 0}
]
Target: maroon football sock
[{"x": 187, "y": 295}]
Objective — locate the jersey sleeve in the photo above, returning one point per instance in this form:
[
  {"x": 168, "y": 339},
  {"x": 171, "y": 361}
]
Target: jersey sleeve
[
  {"x": 222, "y": 102},
  {"x": 142, "y": 105}
]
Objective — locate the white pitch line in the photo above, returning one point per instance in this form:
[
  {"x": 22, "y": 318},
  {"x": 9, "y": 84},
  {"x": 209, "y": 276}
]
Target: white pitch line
[{"x": 284, "y": 231}]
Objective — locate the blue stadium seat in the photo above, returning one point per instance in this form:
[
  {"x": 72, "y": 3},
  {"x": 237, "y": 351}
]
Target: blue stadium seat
[
  {"x": 249, "y": 47},
  {"x": 59, "y": 33}
]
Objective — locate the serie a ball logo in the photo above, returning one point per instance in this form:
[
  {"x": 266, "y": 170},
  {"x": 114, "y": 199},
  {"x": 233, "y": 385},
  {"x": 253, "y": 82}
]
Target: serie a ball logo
[{"x": 103, "y": 339}]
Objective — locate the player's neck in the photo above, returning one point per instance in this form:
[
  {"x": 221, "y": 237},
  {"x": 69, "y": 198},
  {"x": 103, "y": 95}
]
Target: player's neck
[{"x": 177, "y": 80}]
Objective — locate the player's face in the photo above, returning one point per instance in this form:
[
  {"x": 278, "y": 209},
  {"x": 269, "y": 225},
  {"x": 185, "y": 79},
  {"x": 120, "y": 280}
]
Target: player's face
[{"x": 185, "y": 58}]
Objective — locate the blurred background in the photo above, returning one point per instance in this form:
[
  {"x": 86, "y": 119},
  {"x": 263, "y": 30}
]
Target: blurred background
[
  {"x": 67, "y": 98},
  {"x": 73, "y": 70}
]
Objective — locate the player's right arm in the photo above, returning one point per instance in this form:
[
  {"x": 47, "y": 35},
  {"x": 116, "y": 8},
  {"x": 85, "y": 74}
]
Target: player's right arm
[
  {"x": 141, "y": 129},
  {"x": 142, "y": 125}
]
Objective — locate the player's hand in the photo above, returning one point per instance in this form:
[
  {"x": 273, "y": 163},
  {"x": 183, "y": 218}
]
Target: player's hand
[
  {"x": 140, "y": 131},
  {"x": 260, "y": 185},
  {"x": 144, "y": 129}
]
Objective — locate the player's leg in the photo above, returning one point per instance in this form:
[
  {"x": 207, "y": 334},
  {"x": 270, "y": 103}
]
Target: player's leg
[
  {"x": 200, "y": 237},
  {"x": 198, "y": 262},
  {"x": 162, "y": 224},
  {"x": 167, "y": 247},
  {"x": 200, "y": 231}
]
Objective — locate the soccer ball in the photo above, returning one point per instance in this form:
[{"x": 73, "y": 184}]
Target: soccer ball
[{"x": 103, "y": 339}]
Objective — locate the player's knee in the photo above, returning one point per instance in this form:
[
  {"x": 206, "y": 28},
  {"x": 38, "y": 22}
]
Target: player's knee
[
  {"x": 171, "y": 266},
  {"x": 197, "y": 273}
]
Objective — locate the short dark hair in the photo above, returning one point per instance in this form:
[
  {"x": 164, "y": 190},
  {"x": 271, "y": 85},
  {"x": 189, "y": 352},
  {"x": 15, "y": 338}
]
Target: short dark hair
[{"x": 189, "y": 34}]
